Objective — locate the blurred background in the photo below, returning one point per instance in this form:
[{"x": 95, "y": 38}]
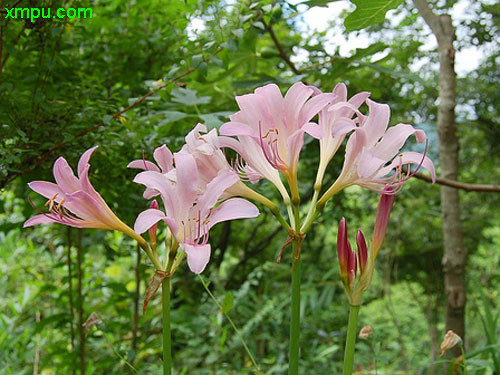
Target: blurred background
[{"x": 69, "y": 84}]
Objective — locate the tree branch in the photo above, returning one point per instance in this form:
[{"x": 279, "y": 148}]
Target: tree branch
[
  {"x": 278, "y": 45},
  {"x": 461, "y": 185},
  {"x": 427, "y": 14},
  {"x": 40, "y": 159}
]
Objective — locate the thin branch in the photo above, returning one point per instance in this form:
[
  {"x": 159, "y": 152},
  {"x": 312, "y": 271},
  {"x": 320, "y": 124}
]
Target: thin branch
[
  {"x": 278, "y": 45},
  {"x": 461, "y": 185}
]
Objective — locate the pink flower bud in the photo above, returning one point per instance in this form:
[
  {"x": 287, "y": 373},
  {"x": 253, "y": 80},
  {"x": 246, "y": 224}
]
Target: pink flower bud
[
  {"x": 382, "y": 219},
  {"x": 362, "y": 251},
  {"x": 352, "y": 264},
  {"x": 343, "y": 249}
]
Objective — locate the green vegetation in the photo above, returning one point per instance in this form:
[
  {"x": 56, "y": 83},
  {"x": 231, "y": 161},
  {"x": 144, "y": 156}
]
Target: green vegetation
[{"x": 142, "y": 73}]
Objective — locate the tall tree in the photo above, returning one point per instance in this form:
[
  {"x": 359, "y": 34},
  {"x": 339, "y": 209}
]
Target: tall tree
[{"x": 455, "y": 255}]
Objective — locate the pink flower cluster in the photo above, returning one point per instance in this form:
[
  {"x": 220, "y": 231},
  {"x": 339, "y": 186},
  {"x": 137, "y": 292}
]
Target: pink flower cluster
[{"x": 200, "y": 188}]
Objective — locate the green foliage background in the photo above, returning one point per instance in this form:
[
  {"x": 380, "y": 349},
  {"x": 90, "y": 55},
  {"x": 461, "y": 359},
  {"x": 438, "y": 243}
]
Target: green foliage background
[{"x": 62, "y": 82}]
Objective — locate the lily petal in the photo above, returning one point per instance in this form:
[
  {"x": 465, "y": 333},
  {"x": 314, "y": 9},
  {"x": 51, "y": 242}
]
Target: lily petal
[
  {"x": 64, "y": 176},
  {"x": 313, "y": 129},
  {"x": 147, "y": 219},
  {"x": 376, "y": 123},
  {"x": 84, "y": 160},
  {"x": 394, "y": 139},
  {"x": 47, "y": 189},
  {"x": 224, "y": 180},
  {"x": 234, "y": 208},
  {"x": 197, "y": 256},
  {"x": 164, "y": 158},
  {"x": 145, "y": 165}
]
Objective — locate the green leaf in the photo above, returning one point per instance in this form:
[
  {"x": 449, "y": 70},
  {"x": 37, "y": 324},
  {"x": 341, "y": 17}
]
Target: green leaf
[
  {"x": 369, "y": 12},
  {"x": 238, "y": 33},
  {"x": 188, "y": 97},
  {"x": 228, "y": 302},
  {"x": 318, "y": 3}
]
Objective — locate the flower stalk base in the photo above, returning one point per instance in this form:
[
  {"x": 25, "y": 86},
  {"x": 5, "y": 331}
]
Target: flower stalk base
[{"x": 351, "y": 340}]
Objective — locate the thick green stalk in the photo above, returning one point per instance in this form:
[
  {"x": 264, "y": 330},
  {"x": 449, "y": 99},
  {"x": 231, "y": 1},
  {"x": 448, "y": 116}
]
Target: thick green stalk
[
  {"x": 167, "y": 339},
  {"x": 294, "y": 345},
  {"x": 351, "y": 340},
  {"x": 293, "y": 367}
]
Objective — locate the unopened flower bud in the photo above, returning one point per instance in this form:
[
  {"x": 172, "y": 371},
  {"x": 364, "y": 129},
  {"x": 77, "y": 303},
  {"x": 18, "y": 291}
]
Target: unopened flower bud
[
  {"x": 365, "y": 332},
  {"x": 451, "y": 339},
  {"x": 382, "y": 219},
  {"x": 343, "y": 250},
  {"x": 352, "y": 266},
  {"x": 362, "y": 251}
]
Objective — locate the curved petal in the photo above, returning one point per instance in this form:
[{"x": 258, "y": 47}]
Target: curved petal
[
  {"x": 394, "y": 139},
  {"x": 340, "y": 92},
  {"x": 150, "y": 193},
  {"x": 294, "y": 101},
  {"x": 313, "y": 129},
  {"x": 38, "y": 219},
  {"x": 164, "y": 158},
  {"x": 254, "y": 109},
  {"x": 376, "y": 123},
  {"x": 234, "y": 208},
  {"x": 273, "y": 97},
  {"x": 47, "y": 189},
  {"x": 197, "y": 256},
  {"x": 353, "y": 149},
  {"x": 187, "y": 175},
  {"x": 147, "y": 219},
  {"x": 145, "y": 165},
  {"x": 342, "y": 126},
  {"x": 65, "y": 177},
  {"x": 84, "y": 160},
  {"x": 369, "y": 164},
  {"x": 154, "y": 180},
  {"x": 293, "y": 148},
  {"x": 194, "y": 134},
  {"x": 224, "y": 180},
  {"x": 313, "y": 106},
  {"x": 234, "y": 128},
  {"x": 87, "y": 208}
]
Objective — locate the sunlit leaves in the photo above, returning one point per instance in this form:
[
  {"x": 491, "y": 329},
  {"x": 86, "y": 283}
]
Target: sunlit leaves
[{"x": 369, "y": 12}]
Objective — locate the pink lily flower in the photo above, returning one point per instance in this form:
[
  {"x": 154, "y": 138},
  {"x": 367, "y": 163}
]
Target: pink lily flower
[
  {"x": 210, "y": 160},
  {"x": 73, "y": 200},
  {"x": 270, "y": 129},
  {"x": 188, "y": 213},
  {"x": 372, "y": 153},
  {"x": 165, "y": 164},
  {"x": 335, "y": 122}
]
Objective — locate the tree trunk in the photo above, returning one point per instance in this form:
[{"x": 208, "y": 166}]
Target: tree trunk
[{"x": 455, "y": 256}]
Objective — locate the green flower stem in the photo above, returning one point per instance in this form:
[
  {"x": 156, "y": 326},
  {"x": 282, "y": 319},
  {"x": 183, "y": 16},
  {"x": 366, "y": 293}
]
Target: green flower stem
[
  {"x": 167, "y": 338},
  {"x": 293, "y": 367},
  {"x": 312, "y": 209},
  {"x": 165, "y": 308},
  {"x": 294, "y": 345},
  {"x": 351, "y": 340}
]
